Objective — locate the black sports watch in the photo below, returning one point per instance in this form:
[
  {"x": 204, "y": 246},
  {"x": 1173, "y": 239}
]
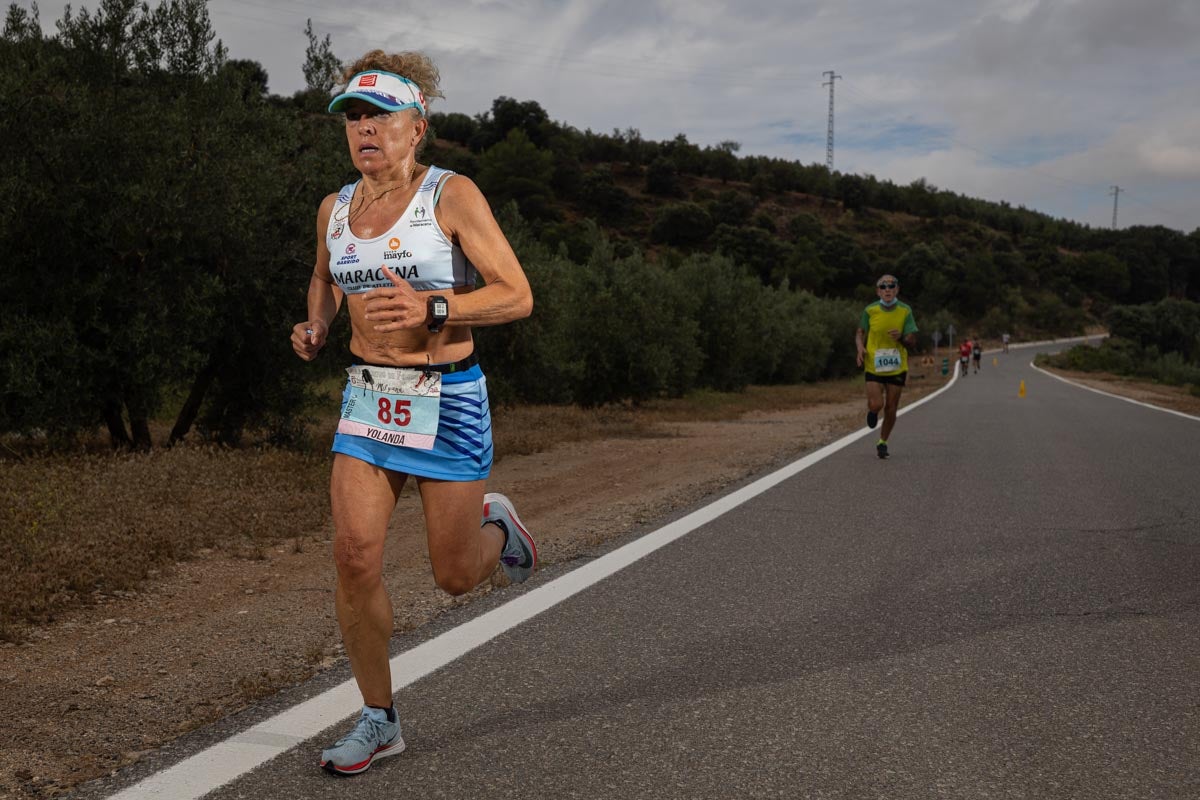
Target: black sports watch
[{"x": 439, "y": 309}]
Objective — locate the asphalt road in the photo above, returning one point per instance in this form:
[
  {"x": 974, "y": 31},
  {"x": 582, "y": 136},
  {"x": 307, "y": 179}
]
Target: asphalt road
[{"x": 1009, "y": 607}]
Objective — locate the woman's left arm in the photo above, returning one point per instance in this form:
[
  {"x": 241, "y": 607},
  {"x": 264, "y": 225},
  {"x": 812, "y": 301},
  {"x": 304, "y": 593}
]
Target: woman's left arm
[{"x": 467, "y": 220}]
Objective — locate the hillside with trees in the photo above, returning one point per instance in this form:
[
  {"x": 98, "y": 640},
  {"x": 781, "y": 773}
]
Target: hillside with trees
[{"x": 157, "y": 226}]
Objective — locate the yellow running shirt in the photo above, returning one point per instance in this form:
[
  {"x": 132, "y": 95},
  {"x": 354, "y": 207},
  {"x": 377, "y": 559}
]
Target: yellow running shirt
[{"x": 885, "y": 355}]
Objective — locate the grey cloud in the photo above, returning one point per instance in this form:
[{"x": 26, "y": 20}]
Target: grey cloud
[
  {"x": 1094, "y": 91},
  {"x": 1072, "y": 37}
]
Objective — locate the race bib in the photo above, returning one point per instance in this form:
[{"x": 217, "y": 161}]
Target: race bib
[
  {"x": 395, "y": 405},
  {"x": 887, "y": 360}
]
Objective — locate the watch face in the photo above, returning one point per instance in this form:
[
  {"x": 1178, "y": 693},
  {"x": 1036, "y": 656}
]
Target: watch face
[{"x": 441, "y": 308}]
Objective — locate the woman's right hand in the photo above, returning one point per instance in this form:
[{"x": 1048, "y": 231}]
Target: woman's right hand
[{"x": 308, "y": 338}]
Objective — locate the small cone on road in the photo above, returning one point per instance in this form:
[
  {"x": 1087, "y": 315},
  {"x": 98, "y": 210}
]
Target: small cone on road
[{"x": 1021, "y": 391}]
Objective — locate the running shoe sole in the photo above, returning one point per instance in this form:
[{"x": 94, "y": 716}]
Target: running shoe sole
[
  {"x": 515, "y": 573},
  {"x": 872, "y": 419},
  {"x": 396, "y": 747}
]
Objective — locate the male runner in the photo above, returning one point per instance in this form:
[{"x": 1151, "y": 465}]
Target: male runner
[{"x": 885, "y": 332}]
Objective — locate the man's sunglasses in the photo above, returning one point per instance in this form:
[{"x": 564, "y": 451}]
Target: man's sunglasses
[{"x": 887, "y": 285}]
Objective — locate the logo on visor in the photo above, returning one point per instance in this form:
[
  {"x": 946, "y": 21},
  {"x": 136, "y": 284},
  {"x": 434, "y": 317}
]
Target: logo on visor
[{"x": 367, "y": 80}]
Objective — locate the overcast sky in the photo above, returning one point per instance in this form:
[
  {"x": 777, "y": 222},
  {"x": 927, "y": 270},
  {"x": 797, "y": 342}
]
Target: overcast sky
[{"x": 1043, "y": 103}]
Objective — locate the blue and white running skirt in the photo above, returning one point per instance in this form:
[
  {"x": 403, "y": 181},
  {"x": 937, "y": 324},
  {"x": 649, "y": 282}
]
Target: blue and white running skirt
[{"x": 463, "y": 450}]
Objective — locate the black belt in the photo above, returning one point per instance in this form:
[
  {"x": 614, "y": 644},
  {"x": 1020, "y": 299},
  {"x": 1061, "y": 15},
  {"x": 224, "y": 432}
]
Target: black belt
[{"x": 462, "y": 365}]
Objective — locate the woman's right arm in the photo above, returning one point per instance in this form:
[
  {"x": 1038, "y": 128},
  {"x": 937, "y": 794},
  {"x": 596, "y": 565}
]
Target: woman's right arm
[{"x": 324, "y": 296}]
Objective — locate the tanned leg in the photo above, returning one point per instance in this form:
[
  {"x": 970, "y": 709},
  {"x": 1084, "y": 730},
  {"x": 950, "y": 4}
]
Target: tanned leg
[
  {"x": 463, "y": 554},
  {"x": 363, "y": 497}
]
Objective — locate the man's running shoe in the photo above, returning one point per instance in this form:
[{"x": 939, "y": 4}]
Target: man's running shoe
[
  {"x": 373, "y": 737},
  {"x": 881, "y": 449},
  {"x": 872, "y": 419},
  {"x": 519, "y": 556}
]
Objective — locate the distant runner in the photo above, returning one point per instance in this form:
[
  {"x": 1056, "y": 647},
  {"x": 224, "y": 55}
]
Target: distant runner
[
  {"x": 964, "y": 356},
  {"x": 885, "y": 332},
  {"x": 976, "y": 353}
]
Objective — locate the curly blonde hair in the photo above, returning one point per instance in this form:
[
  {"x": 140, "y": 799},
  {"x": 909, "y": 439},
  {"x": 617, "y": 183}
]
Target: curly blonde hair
[{"x": 417, "y": 67}]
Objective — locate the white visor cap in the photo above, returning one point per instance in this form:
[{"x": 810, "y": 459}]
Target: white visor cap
[{"x": 387, "y": 90}]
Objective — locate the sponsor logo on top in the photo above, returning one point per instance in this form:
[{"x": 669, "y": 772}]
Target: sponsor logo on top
[
  {"x": 367, "y": 80},
  {"x": 394, "y": 250},
  {"x": 349, "y": 257}
]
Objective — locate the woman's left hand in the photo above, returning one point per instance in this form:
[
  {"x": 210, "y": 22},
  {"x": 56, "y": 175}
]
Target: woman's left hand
[{"x": 395, "y": 308}]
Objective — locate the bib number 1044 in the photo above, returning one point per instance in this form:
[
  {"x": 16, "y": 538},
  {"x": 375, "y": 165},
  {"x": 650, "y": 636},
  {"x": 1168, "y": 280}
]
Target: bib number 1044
[{"x": 887, "y": 360}]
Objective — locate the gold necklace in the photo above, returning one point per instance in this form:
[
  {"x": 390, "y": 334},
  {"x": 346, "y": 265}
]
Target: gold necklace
[{"x": 352, "y": 213}]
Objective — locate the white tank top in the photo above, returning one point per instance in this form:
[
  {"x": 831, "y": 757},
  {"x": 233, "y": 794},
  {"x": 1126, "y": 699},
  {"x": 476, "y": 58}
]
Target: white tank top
[{"x": 415, "y": 248}]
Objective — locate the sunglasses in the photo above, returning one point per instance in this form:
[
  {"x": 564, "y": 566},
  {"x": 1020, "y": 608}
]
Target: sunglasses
[
  {"x": 380, "y": 115},
  {"x": 887, "y": 285}
]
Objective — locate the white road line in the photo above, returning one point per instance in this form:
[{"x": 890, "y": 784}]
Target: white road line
[
  {"x": 228, "y": 760},
  {"x": 1117, "y": 396}
]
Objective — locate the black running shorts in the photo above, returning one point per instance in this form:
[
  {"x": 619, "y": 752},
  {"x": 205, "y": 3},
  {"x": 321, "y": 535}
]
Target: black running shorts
[{"x": 899, "y": 379}]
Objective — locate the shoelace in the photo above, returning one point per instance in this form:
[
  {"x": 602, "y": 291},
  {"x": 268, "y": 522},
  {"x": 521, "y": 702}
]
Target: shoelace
[{"x": 367, "y": 731}]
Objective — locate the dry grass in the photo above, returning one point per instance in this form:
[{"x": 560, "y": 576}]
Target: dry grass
[
  {"x": 75, "y": 527},
  {"x": 523, "y": 430}
]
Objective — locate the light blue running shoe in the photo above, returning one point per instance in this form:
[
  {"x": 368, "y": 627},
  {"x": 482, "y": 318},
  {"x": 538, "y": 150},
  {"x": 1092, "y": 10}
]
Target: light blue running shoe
[
  {"x": 519, "y": 556},
  {"x": 373, "y": 737}
]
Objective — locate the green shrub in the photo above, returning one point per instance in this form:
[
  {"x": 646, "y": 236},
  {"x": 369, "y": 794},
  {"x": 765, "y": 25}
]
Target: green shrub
[
  {"x": 663, "y": 179},
  {"x": 729, "y": 304},
  {"x": 636, "y": 331},
  {"x": 600, "y": 194},
  {"x": 682, "y": 225}
]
